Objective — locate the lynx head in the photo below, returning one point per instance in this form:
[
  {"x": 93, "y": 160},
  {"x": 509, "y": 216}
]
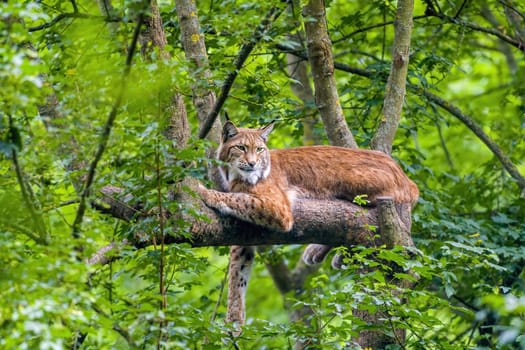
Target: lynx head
[{"x": 245, "y": 152}]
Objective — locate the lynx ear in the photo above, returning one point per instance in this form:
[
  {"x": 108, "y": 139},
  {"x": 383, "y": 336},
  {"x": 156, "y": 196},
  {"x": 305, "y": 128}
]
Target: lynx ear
[
  {"x": 229, "y": 130},
  {"x": 266, "y": 130}
]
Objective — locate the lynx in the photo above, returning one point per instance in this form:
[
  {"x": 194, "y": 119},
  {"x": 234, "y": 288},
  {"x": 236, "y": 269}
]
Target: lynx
[{"x": 262, "y": 185}]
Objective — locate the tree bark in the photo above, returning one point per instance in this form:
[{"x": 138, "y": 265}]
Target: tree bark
[
  {"x": 298, "y": 71},
  {"x": 396, "y": 84},
  {"x": 153, "y": 35},
  {"x": 320, "y": 56},
  {"x": 195, "y": 50},
  {"x": 321, "y": 62}
]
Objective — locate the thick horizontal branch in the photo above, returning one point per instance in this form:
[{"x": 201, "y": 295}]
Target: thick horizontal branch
[{"x": 333, "y": 222}]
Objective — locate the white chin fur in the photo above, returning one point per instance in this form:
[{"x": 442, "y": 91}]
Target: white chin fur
[{"x": 251, "y": 177}]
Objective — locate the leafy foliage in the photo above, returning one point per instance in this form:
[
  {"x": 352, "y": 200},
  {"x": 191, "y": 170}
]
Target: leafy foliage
[{"x": 462, "y": 288}]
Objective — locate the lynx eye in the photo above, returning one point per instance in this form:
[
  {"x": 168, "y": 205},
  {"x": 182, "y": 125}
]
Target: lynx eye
[
  {"x": 259, "y": 149},
  {"x": 241, "y": 148}
]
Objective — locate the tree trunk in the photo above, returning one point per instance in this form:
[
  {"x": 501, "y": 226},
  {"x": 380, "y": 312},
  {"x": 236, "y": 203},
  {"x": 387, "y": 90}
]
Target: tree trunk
[
  {"x": 392, "y": 222},
  {"x": 298, "y": 70},
  {"x": 195, "y": 50},
  {"x": 321, "y": 62},
  {"x": 396, "y": 84}
]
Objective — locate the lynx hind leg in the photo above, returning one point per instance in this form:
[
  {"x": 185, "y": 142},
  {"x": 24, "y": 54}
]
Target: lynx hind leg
[
  {"x": 241, "y": 261},
  {"x": 315, "y": 253}
]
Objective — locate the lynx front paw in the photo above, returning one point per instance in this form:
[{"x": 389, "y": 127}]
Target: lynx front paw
[
  {"x": 315, "y": 253},
  {"x": 201, "y": 190}
]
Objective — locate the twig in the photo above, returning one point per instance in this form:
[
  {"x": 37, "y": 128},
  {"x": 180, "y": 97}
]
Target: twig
[
  {"x": 65, "y": 15},
  {"x": 9, "y": 223},
  {"x": 243, "y": 54},
  {"x": 104, "y": 137},
  {"x": 124, "y": 333},
  {"x": 75, "y": 7},
  {"x": 444, "y": 146},
  {"x": 221, "y": 292},
  {"x": 461, "y": 9},
  {"x": 474, "y": 26},
  {"x": 478, "y": 131},
  {"x": 399, "y": 341},
  {"x": 28, "y": 196},
  {"x": 163, "y": 305},
  {"x": 513, "y": 8},
  {"x": 372, "y": 26}
]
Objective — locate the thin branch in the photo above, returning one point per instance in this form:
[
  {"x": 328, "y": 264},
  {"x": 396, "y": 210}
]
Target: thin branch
[
  {"x": 219, "y": 298},
  {"x": 163, "y": 303},
  {"x": 513, "y": 8},
  {"x": 474, "y": 26},
  {"x": 243, "y": 54},
  {"x": 9, "y": 223},
  {"x": 372, "y": 26},
  {"x": 444, "y": 147},
  {"x": 478, "y": 131},
  {"x": 25, "y": 197},
  {"x": 74, "y": 4},
  {"x": 28, "y": 196},
  {"x": 123, "y": 332},
  {"x": 65, "y": 15},
  {"x": 461, "y": 9},
  {"x": 104, "y": 137}
]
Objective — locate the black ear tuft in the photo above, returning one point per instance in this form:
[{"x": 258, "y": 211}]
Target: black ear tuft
[
  {"x": 226, "y": 116},
  {"x": 266, "y": 130},
  {"x": 229, "y": 130}
]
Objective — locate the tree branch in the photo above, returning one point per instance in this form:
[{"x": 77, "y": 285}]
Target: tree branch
[
  {"x": 41, "y": 237},
  {"x": 396, "y": 84},
  {"x": 505, "y": 161},
  {"x": 335, "y": 223},
  {"x": 243, "y": 54},
  {"x": 474, "y": 26},
  {"x": 195, "y": 51},
  {"x": 63, "y": 16},
  {"x": 370, "y": 27}
]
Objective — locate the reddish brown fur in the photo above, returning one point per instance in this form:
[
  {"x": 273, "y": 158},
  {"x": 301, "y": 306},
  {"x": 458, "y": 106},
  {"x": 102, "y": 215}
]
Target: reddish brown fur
[{"x": 328, "y": 172}]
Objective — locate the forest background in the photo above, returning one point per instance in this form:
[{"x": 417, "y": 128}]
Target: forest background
[{"x": 104, "y": 115}]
